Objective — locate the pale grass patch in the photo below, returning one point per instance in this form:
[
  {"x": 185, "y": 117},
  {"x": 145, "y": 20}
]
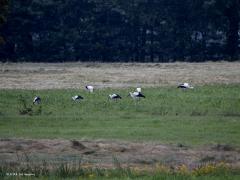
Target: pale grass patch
[{"x": 115, "y": 75}]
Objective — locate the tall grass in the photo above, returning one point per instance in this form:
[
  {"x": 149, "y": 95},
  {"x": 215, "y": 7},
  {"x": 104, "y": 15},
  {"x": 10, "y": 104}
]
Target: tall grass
[
  {"x": 72, "y": 171},
  {"x": 206, "y": 114}
]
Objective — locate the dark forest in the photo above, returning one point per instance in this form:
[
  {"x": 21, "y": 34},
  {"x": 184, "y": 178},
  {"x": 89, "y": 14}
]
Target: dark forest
[{"x": 119, "y": 30}]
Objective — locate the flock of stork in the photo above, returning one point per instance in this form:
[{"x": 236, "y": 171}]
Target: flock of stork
[{"x": 135, "y": 95}]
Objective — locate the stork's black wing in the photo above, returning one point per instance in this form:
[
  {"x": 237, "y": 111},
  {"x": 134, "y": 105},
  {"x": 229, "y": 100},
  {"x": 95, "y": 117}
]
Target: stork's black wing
[{"x": 141, "y": 95}]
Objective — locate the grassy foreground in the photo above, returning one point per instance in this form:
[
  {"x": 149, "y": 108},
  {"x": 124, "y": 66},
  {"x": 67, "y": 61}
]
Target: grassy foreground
[
  {"x": 66, "y": 171},
  {"x": 204, "y": 115}
]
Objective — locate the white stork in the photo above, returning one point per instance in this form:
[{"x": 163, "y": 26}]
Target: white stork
[
  {"x": 136, "y": 95},
  {"x": 36, "y": 100},
  {"x": 77, "y": 98},
  {"x": 89, "y": 88},
  {"x": 185, "y": 86},
  {"x": 114, "y": 96}
]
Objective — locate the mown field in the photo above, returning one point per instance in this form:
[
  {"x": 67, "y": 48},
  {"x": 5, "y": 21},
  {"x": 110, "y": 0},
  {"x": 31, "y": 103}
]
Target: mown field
[
  {"x": 171, "y": 134},
  {"x": 204, "y": 115}
]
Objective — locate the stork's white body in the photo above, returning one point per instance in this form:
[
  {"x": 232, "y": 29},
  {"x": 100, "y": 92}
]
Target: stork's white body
[
  {"x": 36, "y": 100},
  {"x": 136, "y": 95},
  {"x": 77, "y": 98},
  {"x": 185, "y": 86},
  {"x": 89, "y": 88},
  {"x": 114, "y": 96}
]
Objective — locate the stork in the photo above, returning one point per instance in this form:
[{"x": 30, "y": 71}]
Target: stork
[
  {"x": 36, "y": 100},
  {"x": 89, "y": 88},
  {"x": 136, "y": 95},
  {"x": 114, "y": 96},
  {"x": 185, "y": 86},
  {"x": 77, "y": 98}
]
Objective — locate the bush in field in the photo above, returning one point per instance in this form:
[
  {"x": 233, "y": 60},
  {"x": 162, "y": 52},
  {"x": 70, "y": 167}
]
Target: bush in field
[
  {"x": 25, "y": 109},
  {"x": 212, "y": 169}
]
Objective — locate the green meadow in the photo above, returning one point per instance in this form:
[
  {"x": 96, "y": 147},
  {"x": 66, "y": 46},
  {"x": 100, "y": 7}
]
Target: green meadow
[{"x": 204, "y": 115}]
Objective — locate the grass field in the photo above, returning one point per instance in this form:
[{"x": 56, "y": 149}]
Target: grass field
[
  {"x": 196, "y": 128},
  {"x": 204, "y": 115}
]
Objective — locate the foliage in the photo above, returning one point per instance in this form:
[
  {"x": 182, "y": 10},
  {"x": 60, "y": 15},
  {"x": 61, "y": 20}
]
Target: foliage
[
  {"x": 3, "y": 13},
  {"x": 26, "y": 109},
  {"x": 110, "y": 30}
]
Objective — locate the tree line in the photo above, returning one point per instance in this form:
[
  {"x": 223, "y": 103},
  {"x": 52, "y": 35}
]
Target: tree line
[{"x": 119, "y": 30}]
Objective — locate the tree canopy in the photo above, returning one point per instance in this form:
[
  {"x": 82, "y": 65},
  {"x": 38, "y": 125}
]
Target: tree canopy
[
  {"x": 120, "y": 30},
  {"x": 3, "y": 12}
]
